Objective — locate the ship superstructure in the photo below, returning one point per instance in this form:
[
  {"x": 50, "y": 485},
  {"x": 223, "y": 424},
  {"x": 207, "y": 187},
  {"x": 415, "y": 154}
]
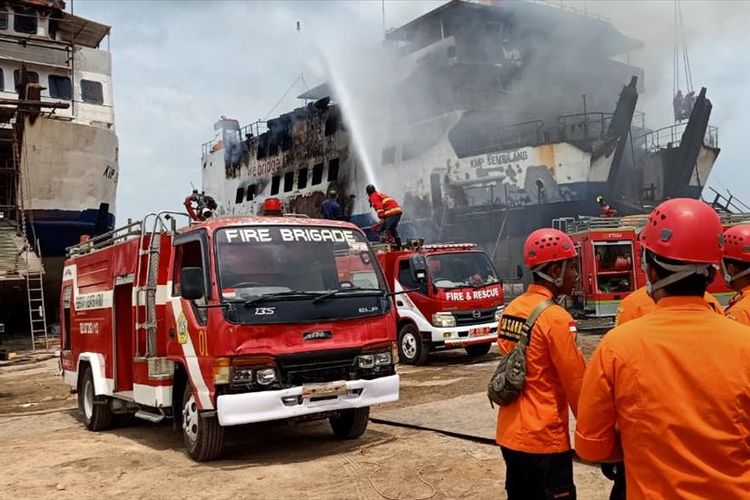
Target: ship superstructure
[
  {"x": 504, "y": 117},
  {"x": 58, "y": 147}
]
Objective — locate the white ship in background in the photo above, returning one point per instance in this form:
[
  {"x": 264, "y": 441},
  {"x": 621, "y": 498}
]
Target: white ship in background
[
  {"x": 58, "y": 147},
  {"x": 492, "y": 133}
]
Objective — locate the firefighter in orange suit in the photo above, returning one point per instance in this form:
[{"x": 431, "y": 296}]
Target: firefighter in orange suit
[
  {"x": 533, "y": 430},
  {"x": 671, "y": 390},
  {"x": 639, "y": 303},
  {"x": 389, "y": 212},
  {"x": 736, "y": 267}
]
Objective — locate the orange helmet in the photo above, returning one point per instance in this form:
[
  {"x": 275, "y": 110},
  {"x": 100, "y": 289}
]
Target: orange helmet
[
  {"x": 686, "y": 230},
  {"x": 547, "y": 245}
]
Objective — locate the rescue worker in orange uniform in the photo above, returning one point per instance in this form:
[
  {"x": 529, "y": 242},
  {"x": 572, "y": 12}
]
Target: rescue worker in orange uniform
[
  {"x": 671, "y": 390},
  {"x": 389, "y": 212},
  {"x": 640, "y": 302},
  {"x": 533, "y": 430},
  {"x": 736, "y": 267}
]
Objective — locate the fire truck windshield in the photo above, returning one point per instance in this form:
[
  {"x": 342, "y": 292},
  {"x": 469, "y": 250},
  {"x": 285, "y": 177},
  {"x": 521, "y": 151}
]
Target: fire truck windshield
[
  {"x": 461, "y": 269},
  {"x": 267, "y": 265}
]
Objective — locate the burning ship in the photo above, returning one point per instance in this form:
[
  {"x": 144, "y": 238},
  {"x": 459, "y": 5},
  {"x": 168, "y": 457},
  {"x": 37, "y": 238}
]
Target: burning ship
[
  {"x": 506, "y": 117},
  {"x": 58, "y": 150}
]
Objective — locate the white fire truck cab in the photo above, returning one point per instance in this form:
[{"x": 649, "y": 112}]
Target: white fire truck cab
[
  {"x": 226, "y": 322},
  {"x": 458, "y": 305}
]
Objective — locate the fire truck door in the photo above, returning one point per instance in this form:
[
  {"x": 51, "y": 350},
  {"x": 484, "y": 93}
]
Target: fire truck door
[{"x": 123, "y": 321}]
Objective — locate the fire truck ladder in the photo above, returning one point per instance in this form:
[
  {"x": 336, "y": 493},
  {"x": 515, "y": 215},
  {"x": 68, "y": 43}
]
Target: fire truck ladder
[{"x": 146, "y": 321}]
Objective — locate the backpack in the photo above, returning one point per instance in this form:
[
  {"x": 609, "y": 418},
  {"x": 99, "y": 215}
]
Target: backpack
[{"x": 507, "y": 382}]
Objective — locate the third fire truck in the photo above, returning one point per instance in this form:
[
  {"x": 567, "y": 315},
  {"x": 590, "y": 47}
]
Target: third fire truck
[
  {"x": 457, "y": 306},
  {"x": 226, "y": 322}
]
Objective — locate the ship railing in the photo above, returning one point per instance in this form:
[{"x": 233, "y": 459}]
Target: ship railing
[
  {"x": 671, "y": 136},
  {"x": 250, "y": 130},
  {"x": 516, "y": 135},
  {"x": 584, "y": 126}
]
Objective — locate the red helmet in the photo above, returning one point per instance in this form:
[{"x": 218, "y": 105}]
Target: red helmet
[
  {"x": 686, "y": 230},
  {"x": 737, "y": 243},
  {"x": 547, "y": 245},
  {"x": 272, "y": 206}
]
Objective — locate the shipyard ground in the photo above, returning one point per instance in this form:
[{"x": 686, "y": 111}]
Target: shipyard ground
[{"x": 47, "y": 453}]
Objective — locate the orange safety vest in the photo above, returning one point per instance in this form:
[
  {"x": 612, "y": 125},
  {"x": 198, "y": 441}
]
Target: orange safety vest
[
  {"x": 537, "y": 422},
  {"x": 384, "y": 205},
  {"x": 676, "y": 383},
  {"x": 639, "y": 303},
  {"x": 739, "y": 307}
]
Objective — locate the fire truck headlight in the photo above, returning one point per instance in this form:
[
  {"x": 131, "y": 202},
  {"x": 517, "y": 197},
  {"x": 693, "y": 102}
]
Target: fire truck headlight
[
  {"x": 265, "y": 376},
  {"x": 366, "y": 361},
  {"x": 242, "y": 375},
  {"x": 383, "y": 359},
  {"x": 499, "y": 313},
  {"x": 443, "y": 320}
]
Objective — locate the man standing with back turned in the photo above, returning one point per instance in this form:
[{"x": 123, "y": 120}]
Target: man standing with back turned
[
  {"x": 532, "y": 431},
  {"x": 671, "y": 390}
]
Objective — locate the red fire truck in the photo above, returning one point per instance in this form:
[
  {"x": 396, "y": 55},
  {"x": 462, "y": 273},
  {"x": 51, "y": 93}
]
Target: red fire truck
[
  {"x": 226, "y": 322},
  {"x": 458, "y": 305},
  {"x": 609, "y": 264}
]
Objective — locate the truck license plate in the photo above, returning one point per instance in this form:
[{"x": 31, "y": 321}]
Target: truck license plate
[
  {"x": 326, "y": 389},
  {"x": 479, "y": 332}
]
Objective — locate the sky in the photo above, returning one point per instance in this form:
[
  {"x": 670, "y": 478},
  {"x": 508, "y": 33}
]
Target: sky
[{"x": 179, "y": 65}]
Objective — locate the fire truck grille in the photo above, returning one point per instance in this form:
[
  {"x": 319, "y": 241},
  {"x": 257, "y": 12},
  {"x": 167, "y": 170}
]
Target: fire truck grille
[
  {"x": 313, "y": 367},
  {"x": 475, "y": 317}
]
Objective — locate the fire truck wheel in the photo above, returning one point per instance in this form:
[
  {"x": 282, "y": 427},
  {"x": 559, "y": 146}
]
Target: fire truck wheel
[
  {"x": 411, "y": 349},
  {"x": 350, "y": 424},
  {"x": 477, "y": 350},
  {"x": 94, "y": 409},
  {"x": 203, "y": 436}
]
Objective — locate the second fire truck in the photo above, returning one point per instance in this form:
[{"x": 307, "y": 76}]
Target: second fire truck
[
  {"x": 457, "y": 306},
  {"x": 226, "y": 322}
]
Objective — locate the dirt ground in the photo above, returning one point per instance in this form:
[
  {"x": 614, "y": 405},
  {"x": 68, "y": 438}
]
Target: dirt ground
[{"x": 47, "y": 453}]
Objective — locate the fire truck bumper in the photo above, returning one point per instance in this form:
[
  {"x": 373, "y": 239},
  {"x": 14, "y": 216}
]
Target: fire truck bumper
[
  {"x": 463, "y": 342},
  {"x": 237, "y": 409},
  {"x": 462, "y": 336}
]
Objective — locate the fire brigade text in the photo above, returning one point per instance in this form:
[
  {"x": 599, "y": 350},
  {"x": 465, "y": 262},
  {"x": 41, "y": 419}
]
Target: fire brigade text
[
  {"x": 264, "y": 235},
  {"x": 474, "y": 295}
]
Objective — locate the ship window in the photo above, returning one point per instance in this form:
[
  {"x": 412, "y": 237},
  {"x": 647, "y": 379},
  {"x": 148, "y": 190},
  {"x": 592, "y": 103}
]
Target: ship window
[
  {"x": 275, "y": 181},
  {"x": 251, "y": 192},
  {"x": 91, "y": 92},
  {"x": 317, "y": 177},
  {"x": 288, "y": 181},
  {"x": 240, "y": 195},
  {"x": 333, "y": 170},
  {"x": 24, "y": 21},
  {"x": 31, "y": 77},
  {"x": 389, "y": 155},
  {"x": 59, "y": 87},
  {"x": 451, "y": 51},
  {"x": 302, "y": 178},
  {"x": 3, "y": 18},
  {"x": 2, "y": 79}
]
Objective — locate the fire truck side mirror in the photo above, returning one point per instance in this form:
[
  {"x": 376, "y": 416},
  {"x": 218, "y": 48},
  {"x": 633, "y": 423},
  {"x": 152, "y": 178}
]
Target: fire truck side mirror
[
  {"x": 519, "y": 272},
  {"x": 191, "y": 283},
  {"x": 418, "y": 265}
]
